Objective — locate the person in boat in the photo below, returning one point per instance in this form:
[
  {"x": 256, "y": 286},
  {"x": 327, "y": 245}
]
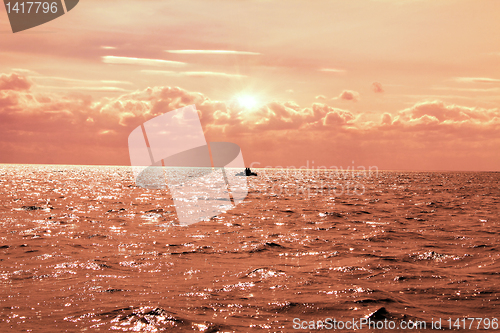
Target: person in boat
[{"x": 249, "y": 172}]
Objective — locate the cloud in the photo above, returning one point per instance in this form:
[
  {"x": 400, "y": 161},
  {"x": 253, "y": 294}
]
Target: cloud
[
  {"x": 377, "y": 87},
  {"x": 206, "y": 74},
  {"x": 78, "y": 81},
  {"x": 195, "y": 74},
  {"x": 28, "y": 112},
  {"x": 337, "y": 117},
  {"x": 14, "y": 82},
  {"x": 223, "y": 52},
  {"x": 86, "y": 89},
  {"x": 140, "y": 61},
  {"x": 75, "y": 128},
  {"x": 349, "y": 95},
  {"x": 69, "y": 84},
  {"x": 332, "y": 70},
  {"x": 446, "y": 115},
  {"x": 476, "y": 80},
  {"x": 386, "y": 119},
  {"x": 232, "y": 119},
  {"x": 322, "y": 97},
  {"x": 23, "y": 71}
]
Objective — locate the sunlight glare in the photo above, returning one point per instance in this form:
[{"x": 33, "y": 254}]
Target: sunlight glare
[{"x": 246, "y": 101}]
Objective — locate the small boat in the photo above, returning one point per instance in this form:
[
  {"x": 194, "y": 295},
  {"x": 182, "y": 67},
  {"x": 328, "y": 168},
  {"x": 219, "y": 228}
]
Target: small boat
[{"x": 247, "y": 173}]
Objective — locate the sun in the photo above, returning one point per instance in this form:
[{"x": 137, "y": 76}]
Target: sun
[{"x": 246, "y": 101}]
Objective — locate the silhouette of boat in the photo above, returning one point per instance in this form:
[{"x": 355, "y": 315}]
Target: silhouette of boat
[{"x": 247, "y": 173}]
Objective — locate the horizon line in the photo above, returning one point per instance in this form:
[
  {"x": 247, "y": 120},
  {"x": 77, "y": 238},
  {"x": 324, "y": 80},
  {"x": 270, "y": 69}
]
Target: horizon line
[{"x": 272, "y": 168}]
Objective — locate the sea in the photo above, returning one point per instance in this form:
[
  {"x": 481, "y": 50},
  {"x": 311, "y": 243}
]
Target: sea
[{"x": 84, "y": 249}]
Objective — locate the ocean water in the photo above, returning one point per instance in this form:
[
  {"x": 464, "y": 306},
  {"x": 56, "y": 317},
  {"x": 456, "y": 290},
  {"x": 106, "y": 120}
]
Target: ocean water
[{"x": 83, "y": 249}]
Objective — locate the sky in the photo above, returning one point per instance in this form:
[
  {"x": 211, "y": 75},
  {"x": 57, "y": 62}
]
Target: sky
[{"x": 392, "y": 84}]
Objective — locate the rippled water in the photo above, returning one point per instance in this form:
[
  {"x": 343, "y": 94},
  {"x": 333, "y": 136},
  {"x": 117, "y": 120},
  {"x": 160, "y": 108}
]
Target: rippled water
[{"x": 83, "y": 249}]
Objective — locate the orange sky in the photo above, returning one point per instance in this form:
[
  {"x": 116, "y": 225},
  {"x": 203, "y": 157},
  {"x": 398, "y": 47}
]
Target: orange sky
[{"x": 411, "y": 85}]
